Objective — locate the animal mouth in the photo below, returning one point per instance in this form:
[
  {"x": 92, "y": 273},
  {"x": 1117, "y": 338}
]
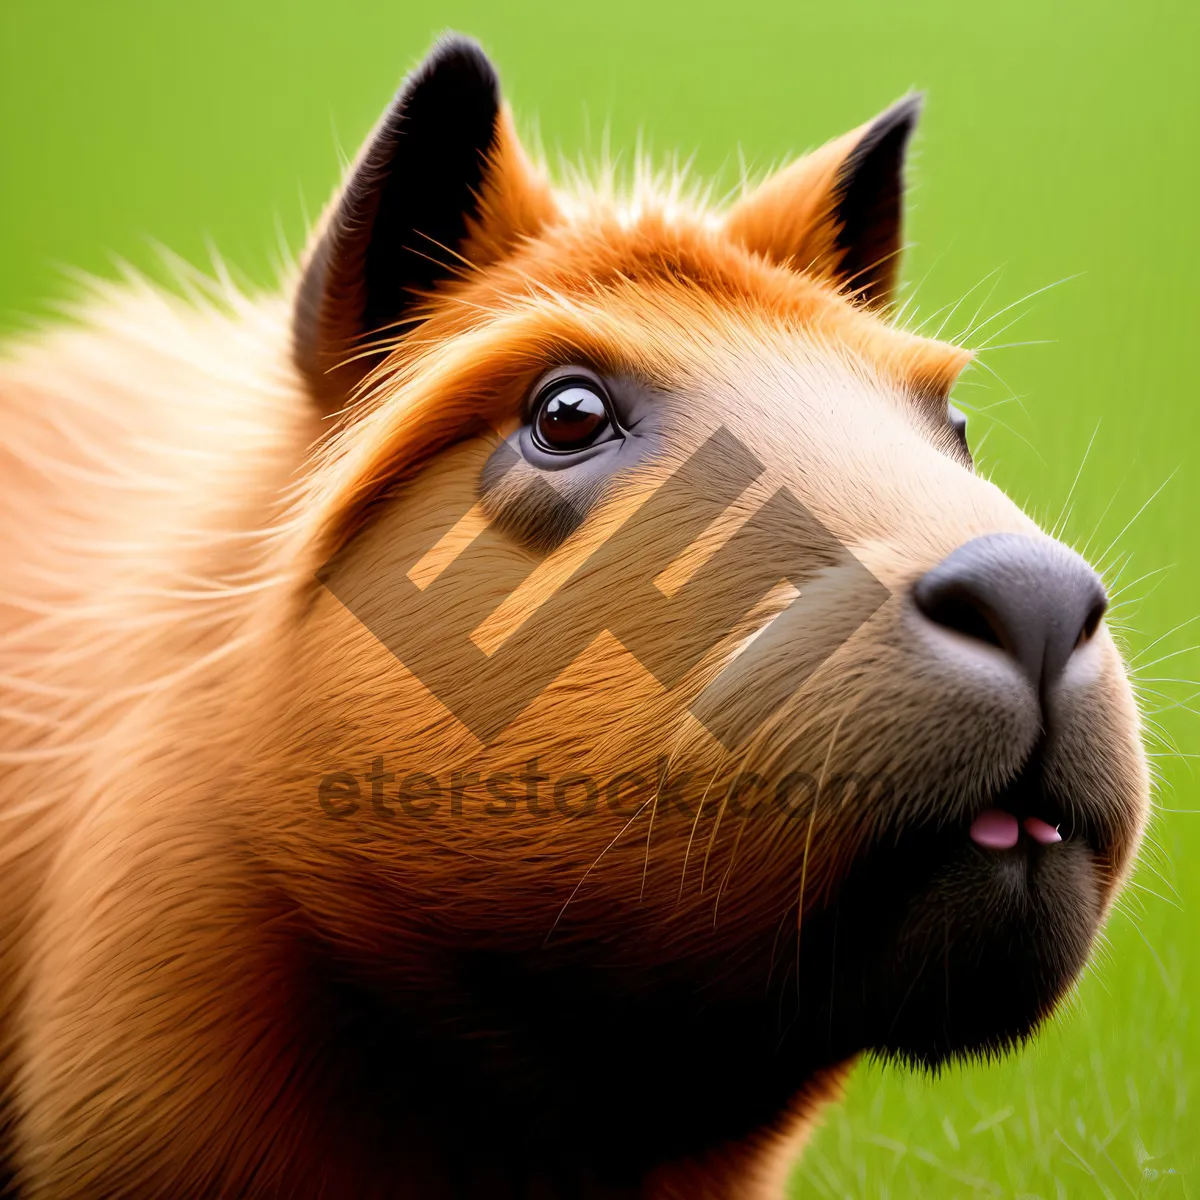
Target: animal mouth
[
  {"x": 1025, "y": 818},
  {"x": 999, "y": 829},
  {"x": 1018, "y": 831},
  {"x": 971, "y": 929},
  {"x": 1021, "y": 815}
]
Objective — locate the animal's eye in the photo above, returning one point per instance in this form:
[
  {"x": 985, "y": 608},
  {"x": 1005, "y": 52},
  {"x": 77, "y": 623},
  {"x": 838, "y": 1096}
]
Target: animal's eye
[
  {"x": 958, "y": 423},
  {"x": 570, "y": 414}
]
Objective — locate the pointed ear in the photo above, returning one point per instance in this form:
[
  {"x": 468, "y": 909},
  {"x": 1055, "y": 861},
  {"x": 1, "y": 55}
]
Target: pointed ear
[
  {"x": 838, "y": 211},
  {"x": 441, "y": 186}
]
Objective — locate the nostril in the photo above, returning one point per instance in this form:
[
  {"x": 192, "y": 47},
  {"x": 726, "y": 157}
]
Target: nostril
[
  {"x": 956, "y": 607},
  {"x": 1092, "y": 621}
]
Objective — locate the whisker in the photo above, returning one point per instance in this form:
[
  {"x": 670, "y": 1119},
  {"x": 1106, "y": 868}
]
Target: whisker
[
  {"x": 1128, "y": 524},
  {"x": 812, "y": 817},
  {"x": 1075, "y": 482},
  {"x": 1009, "y": 307},
  {"x": 595, "y": 863}
]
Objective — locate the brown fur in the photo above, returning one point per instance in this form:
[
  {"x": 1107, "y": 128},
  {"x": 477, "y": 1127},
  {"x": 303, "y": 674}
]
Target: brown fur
[{"x": 208, "y": 986}]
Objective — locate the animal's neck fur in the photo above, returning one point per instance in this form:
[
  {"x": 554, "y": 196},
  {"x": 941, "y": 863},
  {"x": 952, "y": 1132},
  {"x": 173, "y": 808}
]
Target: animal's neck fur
[{"x": 145, "y": 453}]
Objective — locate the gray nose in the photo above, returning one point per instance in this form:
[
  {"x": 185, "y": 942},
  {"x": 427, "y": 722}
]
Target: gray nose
[{"x": 1031, "y": 597}]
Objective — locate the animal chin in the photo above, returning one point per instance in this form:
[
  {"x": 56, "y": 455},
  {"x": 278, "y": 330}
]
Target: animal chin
[{"x": 985, "y": 924}]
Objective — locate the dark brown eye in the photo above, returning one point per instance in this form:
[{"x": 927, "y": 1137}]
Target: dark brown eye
[
  {"x": 958, "y": 423},
  {"x": 570, "y": 416}
]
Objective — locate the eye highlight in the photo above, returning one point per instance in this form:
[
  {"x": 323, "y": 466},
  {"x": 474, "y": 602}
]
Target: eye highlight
[{"x": 570, "y": 414}]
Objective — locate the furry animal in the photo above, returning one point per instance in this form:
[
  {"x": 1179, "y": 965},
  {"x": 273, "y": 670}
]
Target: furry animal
[{"x": 371, "y": 828}]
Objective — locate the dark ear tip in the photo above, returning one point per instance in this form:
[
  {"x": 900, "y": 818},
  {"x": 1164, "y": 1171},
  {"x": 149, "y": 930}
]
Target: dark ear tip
[
  {"x": 869, "y": 191},
  {"x": 882, "y": 147},
  {"x": 896, "y": 122},
  {"x": 458, "y": 60}
]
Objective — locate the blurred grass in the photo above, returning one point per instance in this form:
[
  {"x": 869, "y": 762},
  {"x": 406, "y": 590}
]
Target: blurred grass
[{"x": 1059, "y": 147}]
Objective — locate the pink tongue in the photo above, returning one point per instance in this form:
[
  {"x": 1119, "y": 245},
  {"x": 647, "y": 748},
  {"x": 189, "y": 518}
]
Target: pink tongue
[
  {"x": 1042, "y": 832},
  {"x": 995, "y": 829}
]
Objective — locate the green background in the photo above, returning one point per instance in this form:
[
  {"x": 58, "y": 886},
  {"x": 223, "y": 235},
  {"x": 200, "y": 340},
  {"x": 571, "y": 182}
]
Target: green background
[{"x": 1059, "y": 147}]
